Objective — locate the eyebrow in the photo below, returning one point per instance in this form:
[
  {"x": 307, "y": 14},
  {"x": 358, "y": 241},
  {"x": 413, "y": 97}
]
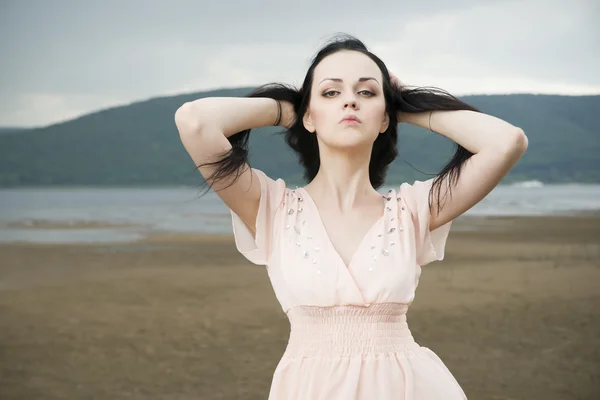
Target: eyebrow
[{"x": 363, "y": 79}]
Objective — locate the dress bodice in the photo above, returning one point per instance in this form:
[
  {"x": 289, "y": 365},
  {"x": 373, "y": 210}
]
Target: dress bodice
[{"x": 304, "y": 267}]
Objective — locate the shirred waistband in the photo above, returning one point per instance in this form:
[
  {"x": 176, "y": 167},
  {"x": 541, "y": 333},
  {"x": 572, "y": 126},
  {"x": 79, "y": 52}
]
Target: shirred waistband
[{"x": 348, "y": 330}]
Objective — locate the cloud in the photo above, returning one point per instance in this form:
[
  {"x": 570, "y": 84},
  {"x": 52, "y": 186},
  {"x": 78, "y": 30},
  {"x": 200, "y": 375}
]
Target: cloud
[
  {"x": 487, "y": 48},
  {"x": 37, "y": 109},
  {"x": 62, "y": 60}
]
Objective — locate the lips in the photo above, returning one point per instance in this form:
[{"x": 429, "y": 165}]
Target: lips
[{"x": 350, "y": 118}]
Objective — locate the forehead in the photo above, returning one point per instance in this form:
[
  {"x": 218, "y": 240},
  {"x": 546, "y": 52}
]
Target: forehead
[{"x": 347, "y": 65}]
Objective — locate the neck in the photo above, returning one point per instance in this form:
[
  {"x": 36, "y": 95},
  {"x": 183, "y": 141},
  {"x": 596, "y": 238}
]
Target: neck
[{"x": 343, "y": 177}]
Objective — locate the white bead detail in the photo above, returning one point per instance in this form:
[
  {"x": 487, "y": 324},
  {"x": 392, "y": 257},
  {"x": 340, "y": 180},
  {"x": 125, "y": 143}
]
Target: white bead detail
[{"x": 313, "y": 258}]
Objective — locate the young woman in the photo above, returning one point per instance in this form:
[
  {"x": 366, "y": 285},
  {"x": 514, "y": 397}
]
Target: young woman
[{"x": 343, "y": 259}]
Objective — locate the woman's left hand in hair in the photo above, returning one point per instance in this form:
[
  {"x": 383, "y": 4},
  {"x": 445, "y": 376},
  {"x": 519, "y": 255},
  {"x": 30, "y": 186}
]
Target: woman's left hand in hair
[{"x": 395, "y": 81}]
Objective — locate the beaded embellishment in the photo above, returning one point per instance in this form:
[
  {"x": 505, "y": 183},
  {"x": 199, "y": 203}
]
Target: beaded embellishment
[{"x": 303, "y": 238}]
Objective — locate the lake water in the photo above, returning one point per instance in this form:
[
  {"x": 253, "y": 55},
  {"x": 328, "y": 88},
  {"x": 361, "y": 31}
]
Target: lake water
[{"x": 171, "y": 209}]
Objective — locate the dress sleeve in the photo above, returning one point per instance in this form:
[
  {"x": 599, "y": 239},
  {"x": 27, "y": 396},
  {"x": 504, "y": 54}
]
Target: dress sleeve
[
  {"x": 430, "y": 245},
  {"x": 258, "y": 250}
]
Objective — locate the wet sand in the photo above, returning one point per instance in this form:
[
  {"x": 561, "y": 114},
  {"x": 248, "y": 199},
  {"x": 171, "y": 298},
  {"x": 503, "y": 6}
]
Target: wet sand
[
  {"x": 514, "y": 312},
  {"x": 65, "y": 225}
]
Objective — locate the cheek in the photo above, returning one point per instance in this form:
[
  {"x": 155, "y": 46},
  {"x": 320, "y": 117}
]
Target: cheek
[
  {"x": 375, "y": 113},
  {"x": 319, "y": 115}
]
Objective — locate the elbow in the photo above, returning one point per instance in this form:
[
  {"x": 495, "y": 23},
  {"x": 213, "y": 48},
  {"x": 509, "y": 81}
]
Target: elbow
[
  {"x": 179, "y": 113},
  {"x": 517, "y": 142},
  {"x": 186, "y": 119},
  {"x": 521, "y": 141}
]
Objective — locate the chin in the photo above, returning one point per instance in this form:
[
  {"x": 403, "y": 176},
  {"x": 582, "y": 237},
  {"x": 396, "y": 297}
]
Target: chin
[{"x": 348, "y": 141}]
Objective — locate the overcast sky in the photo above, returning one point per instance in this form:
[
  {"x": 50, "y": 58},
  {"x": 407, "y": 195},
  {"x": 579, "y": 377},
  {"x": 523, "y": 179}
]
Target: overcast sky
[{"x": 64, "y": 58}]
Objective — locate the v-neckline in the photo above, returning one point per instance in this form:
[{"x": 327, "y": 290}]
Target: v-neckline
[{"x": 328, "y": 238}]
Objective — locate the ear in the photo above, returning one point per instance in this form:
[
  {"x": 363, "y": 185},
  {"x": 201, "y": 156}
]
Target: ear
[
  {"x": 385, "y": 124},
  {"x": 307, "y": 121}
]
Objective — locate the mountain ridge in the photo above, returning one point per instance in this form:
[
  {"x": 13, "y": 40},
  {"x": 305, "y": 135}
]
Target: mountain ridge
[{"x": 138, "y": 144}]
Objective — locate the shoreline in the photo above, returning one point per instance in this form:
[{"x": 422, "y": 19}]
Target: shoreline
[{"x": 141, "y": 234}]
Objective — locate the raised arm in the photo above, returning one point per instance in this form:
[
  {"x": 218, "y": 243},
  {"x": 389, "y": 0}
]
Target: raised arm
[
  {"x": 496, "y": 146},
  {"x": 204, "y": 126},
  {"x": 228, "y": 115}
]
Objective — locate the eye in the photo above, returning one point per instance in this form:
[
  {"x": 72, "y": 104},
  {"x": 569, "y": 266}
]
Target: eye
[
  {"x": 368, "y": 93},
  {"x": 326, "y": 94}
]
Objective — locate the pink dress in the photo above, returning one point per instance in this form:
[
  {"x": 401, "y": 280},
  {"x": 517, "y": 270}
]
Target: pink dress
[{"x": 349, "y": 338}]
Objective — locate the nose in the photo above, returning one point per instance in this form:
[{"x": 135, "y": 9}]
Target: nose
[{"x": 352, "y": 103}]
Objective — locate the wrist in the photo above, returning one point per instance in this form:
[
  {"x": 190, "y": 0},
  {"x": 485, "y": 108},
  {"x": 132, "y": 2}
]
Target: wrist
[
  {"x": 421, "y": 119},
  {"x": 288, "y": 114},
  {"x": 278, "y": 112}
]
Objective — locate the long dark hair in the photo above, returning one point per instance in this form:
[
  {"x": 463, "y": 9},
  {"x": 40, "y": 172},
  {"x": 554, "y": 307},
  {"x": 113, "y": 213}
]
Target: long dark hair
[{"x": 397, "y": 98}]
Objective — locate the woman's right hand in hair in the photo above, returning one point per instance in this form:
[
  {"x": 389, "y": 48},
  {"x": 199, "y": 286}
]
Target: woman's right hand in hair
[
  {"x": 395, "y": 81},
  {"x": 288, "y": 114}
]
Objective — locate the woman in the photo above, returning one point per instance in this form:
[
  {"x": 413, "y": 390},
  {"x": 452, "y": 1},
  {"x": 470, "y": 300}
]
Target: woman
[{"x": 343, "y": 259}]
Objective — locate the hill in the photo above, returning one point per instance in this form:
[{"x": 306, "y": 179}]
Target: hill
[{"x": 138, "y": 144}]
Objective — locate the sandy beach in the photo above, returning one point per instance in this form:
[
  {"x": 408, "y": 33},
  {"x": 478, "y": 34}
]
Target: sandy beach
[{"x": 513, "y": 310}]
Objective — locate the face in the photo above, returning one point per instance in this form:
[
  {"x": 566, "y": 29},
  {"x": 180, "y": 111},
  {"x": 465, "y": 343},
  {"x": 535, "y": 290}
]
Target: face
[{"x": 338, "y": 91}]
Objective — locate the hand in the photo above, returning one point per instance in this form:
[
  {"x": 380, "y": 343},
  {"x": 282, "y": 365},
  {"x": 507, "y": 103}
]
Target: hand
[
  {"x": 288, "y": 114},
  {"x": 395, "y": 81}
]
